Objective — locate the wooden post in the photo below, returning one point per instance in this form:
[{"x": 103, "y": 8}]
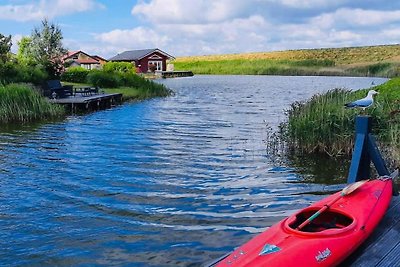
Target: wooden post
[{"x": 365, "y": 150}]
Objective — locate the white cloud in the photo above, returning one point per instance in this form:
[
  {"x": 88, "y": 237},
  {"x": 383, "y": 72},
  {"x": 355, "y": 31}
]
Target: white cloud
[
  {"x": 309, "y": 4},
  {"x": 134, "y": 39},
  {"x": 184, "y": 27},
  {"x": 356, "y": 17},
  {"x": 183, "y": 11},
  {"x": 38, "y": 10}
]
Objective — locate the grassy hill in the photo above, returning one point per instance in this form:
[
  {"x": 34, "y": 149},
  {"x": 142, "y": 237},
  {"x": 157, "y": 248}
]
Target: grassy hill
[{"x": 383, "y": 60}]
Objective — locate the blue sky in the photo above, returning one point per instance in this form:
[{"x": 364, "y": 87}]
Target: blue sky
[{"x": 203, "y": 27}]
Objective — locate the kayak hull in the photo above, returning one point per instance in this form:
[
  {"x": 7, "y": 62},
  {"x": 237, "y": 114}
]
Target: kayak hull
[{"x": 328, "y": 240}]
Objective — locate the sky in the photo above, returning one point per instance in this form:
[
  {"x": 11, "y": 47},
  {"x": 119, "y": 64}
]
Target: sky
[{"x": 206, "y": 27}]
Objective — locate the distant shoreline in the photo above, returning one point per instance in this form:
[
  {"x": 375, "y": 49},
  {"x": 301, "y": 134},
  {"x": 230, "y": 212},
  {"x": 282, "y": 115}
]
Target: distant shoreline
[{"x": 367, "y": 61}]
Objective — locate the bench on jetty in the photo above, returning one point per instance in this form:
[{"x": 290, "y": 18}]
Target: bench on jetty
[
  {"x": 54, "y": 89},
  {"x": 86, "y": 91}
]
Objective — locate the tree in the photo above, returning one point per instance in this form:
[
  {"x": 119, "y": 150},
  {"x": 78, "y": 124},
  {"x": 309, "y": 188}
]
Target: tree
[
  {"x": 24, "y": 54},
  {"x": 47, "y": 48},
  {"x": 5, "y": 47}
]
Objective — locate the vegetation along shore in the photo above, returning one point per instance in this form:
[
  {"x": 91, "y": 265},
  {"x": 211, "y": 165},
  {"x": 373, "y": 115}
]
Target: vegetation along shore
[
  {"x": 382, "y": 61},
  {"x": 39, "y": 59},
  {"x": 323, "y": 125}
]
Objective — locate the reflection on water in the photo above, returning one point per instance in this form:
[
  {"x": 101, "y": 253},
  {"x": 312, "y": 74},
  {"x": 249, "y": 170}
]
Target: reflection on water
[{"x": 167, "y": 182}]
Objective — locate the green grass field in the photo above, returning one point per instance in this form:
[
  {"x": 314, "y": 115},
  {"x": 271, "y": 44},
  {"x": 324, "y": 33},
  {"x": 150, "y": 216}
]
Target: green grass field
[{"x": 383, "y": 61}]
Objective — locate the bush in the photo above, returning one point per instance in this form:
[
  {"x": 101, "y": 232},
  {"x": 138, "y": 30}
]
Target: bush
[
  {"x": 124, "y": 67},
  {"x": 32, "y": 74},
  {"x": 11, "y": 72},
  {"x": 75, "y": 75},
  {"x": 100, "y": 78},
  {"x": 8, "y": 72}
]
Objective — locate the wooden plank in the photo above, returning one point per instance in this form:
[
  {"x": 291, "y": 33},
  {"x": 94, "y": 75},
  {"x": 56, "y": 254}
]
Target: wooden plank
[
  {"x": 392, "y": 258},
  {"x": 377, "y": 253},
  {"x": 376, "y": 246},
  {"x": 83, "y": 99}
]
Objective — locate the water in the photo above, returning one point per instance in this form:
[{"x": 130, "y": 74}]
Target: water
[{"x": 173, "y": 181}]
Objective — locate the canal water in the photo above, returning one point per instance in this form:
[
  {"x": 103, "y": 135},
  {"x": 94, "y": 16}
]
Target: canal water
[{"x": 173, "y": 181}]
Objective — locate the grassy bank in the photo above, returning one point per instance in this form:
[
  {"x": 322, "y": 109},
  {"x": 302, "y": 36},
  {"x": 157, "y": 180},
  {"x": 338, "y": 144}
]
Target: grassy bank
[
  {"x": 383, "y": 61},
  {"x": 20, "y": 103},
  {"x": 323, "y": 125}
]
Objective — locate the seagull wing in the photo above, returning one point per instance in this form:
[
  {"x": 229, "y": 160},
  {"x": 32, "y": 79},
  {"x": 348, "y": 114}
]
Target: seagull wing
[{"x": 362, "y": 103}]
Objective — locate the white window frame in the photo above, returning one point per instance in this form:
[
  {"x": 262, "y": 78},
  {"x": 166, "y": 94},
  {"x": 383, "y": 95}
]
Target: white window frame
[{"x": 157, "y": 63}]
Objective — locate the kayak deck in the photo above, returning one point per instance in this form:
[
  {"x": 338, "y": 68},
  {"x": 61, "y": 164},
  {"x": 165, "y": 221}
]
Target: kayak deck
[{"x": 382, "y": 248}]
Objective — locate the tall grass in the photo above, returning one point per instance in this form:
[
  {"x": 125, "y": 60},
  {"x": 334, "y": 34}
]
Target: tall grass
[
  {"x": 20, "y": 103},
  {"x": 323, "y": 125},
  {"x": 382, "y": 61}
]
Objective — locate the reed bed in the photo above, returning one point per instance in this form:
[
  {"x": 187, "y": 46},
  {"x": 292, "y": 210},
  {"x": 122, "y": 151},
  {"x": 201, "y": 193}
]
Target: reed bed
[
  {"x": 323, "y": 125},
  {"x": 21, "y": 103}
]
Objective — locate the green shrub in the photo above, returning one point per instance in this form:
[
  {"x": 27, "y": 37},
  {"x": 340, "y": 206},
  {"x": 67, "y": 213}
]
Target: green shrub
[
  {"x": 103, "y": 79},
  {"x": 124, "y": 67},
  {"x": 11, "y": 72},
  {"x": 75, "y": 75}
]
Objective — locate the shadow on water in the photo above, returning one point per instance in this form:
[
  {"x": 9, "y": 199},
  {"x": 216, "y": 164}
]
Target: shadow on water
[{"x": 320, "y": 169}]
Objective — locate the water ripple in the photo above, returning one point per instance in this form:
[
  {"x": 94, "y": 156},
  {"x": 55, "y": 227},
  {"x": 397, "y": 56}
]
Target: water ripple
[{"x": 166, "y": 182}]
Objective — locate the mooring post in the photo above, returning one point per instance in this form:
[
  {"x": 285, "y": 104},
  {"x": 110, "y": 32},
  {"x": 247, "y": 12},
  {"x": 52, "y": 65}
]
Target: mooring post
[{"x": 365, "y": 150}]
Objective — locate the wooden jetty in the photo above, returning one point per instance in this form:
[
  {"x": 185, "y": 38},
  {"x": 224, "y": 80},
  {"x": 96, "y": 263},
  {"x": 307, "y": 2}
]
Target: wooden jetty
[
  {"x": 382, "y": 248},
  {"x": 89, "y": 102},
  {"x": 174, "y": 74}
]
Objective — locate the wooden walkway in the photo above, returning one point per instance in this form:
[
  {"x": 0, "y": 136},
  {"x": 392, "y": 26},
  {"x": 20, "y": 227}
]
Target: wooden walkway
[
  {"x": 174, "y": 74},
  {"x": 382, "y": 248},
  {"x": 89, "y": 102}
]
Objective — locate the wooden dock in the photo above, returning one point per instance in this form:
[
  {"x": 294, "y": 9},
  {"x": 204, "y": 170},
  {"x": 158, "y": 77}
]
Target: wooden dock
[
  {"x": 382, "y": 248},
  {"x": 89, "y": 102},
  {"x": 174, "y": 74}
]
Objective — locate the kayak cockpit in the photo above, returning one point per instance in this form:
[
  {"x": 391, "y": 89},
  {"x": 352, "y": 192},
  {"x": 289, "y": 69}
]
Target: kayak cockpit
[{"x": 328, "y": 222}]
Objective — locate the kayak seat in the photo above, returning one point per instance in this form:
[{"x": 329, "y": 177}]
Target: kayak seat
[{"x": 327, "y": 220}]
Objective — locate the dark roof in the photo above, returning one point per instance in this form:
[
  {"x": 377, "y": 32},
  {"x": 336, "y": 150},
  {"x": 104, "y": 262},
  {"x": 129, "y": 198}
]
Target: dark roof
[{"x": 137, "y": 54}]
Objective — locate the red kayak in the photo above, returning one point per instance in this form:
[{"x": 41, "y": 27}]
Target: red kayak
[{"x": 339, "y": 224}]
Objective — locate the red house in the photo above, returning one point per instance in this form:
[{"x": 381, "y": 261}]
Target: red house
[
  {"x": 80, "y": 58},
  {"x": 144, "y": 59}
]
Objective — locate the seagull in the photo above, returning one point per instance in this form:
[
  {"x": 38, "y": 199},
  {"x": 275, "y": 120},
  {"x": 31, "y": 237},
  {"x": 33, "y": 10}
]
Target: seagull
[{"x": 364, "y": 102}]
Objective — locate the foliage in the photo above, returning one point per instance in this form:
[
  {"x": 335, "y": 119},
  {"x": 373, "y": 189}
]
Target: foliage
[
  {"x": 382, "y": 69},
  {"x": 5, "y": 47},
  {"x": 47, "y": 48},
  {"x": 101, "y": 78},
  {"x": 11, "y": 72},
  {"x": 20, "y": 103},
  {"x": 322, "y": 124},
  {"x": 24, "y": 55},
  {"x": 124, "y": 67},
  {"x": 75, "y": 75},
  {"x": 107, "y": 79}
]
